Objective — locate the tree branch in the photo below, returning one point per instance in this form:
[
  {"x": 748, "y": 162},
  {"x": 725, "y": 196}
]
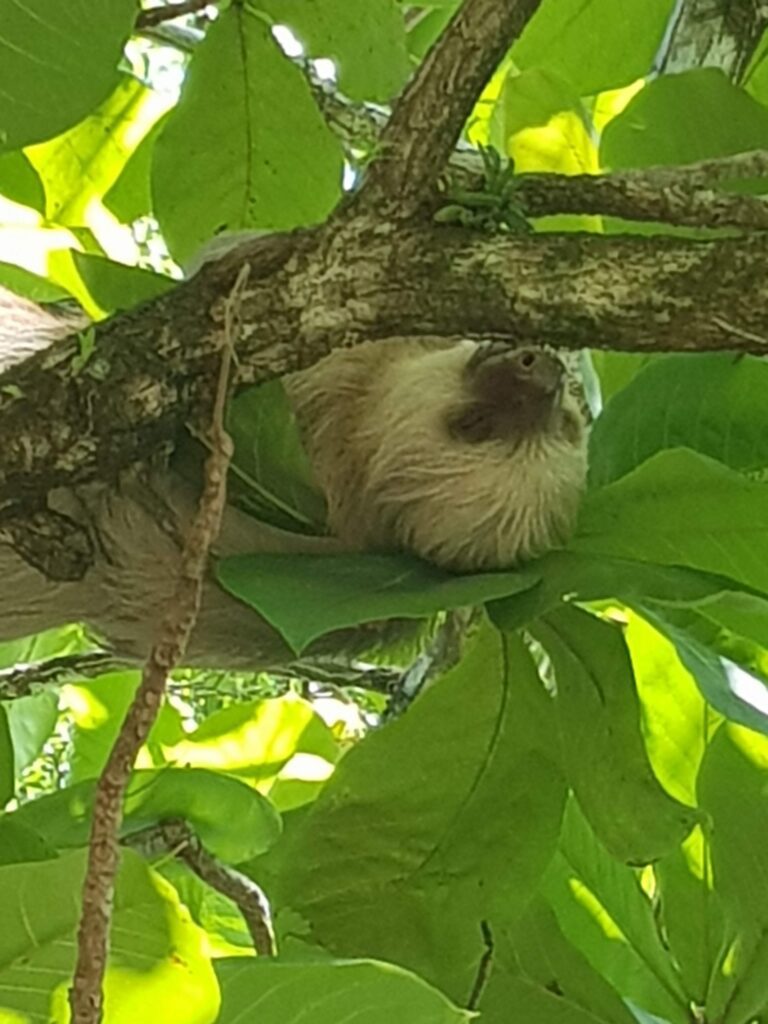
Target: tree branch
[
  {"x": 243, "y": 891},
  {"x": 86, "y": 996},
  {"x": 147, "y": 374},
  {"x": 150, "y": 17},
  {"x": 431, "y": 113}
]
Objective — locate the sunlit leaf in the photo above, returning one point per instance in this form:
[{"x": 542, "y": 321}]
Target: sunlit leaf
[
  {"x": 596, "y": 44},
  {"x": 603, "y": 910},
  {"x": 157, "y": 956},
  {"x": 246, "y": 147},
  {"x": 366, "y": 42},
  {"x": 603, "y": 751}
]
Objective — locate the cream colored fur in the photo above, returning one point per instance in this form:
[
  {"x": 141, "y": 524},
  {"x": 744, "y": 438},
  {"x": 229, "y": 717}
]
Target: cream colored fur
[{"x": 374, "y": 420}]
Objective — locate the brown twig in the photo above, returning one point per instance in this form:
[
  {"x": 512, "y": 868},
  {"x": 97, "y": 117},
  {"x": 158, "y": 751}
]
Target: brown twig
[
  {"x": 86, "y": 996},
  {"x": 428, "y": 117},
  {"x": 154, "y": 16},
  {"x": 243, "y": 891}
]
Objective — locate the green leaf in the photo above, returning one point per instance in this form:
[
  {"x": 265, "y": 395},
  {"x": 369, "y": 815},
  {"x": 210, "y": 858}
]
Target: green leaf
[
  {"x": 19, "y": 844},
  {"x": 57, "y": 62},
  {"x": 362, "y": 991},
  {"x": 679, "y": 119},
  {"x": 677, "y": 723},
  {"x": 692, "y": 912},
  {"x": 714, "y": 404},
  {"x": 115, "y": 286},
  {"x": 20, "y": 182},
  {"x": 616, "y": 369},
  {"x": 596, "y": 44},
  {"x": 603, "y": 910},
  {"x": 232, "y": 821},
  {"x": 131, "y": 195},
  {"x": 367, "y": 42},
  {"x": 683, "y": 509},
  {"x": 157, "y": 957},
  {"x": 733, "y": 788},
  {"x": 305, "y": 596},
  {"x": 603, "y": 751},
  {"x": 79, "y": 167},
  {"x": 272, "y": 473},
  {"x": 712, "y": 673},
  {"x": 256, "y": 739},
  {"x": 31, "y": 721},
  {"x": 587, "y": 577},
  {"x": 246, "y": 147},
  {"x": 7, "y": 773},
  {"x": 444, "y": 818},
  {"x": 97, "y": 708},
  {"x": 31, "y": 286},
  {"x": 538, "y": 975}
]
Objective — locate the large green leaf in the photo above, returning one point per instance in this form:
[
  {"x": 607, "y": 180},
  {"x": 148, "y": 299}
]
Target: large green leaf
[
  {"x": 733, "y": 788},
  {"x": 57, "y": 62},
  {"x": 603, "y": 751},
  {"x": 680, "y": 508},
  {"x": 272, "y": 475},
  {"x": 714, "y": 404},
  {"x": 604, "y": 911},
  {"x": 366, "y": 41},
  {"x": 305, "y": 596},
  {"x": 678, "y": 119},
  {"x": 538, "y": 975},
  {"x": 232, "y": 820},
  {"x": 157, "y": 956},
  {"x": 587, "y": 577},
  {"x": 596, "y": 44},
  {"x": 444, "y": 818},
  {"x": 246, "y": 147},
  {"x": 362, "y": 991}
]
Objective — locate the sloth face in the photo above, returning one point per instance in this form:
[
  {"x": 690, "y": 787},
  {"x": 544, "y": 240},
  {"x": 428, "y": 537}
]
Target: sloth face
[{"x": 513, "y": 394}]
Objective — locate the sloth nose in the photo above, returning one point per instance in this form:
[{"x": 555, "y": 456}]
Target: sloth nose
[{"x": 541, "y": 368}]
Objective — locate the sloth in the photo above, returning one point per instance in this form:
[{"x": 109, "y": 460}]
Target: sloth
[{"x": 470, "y": 455}]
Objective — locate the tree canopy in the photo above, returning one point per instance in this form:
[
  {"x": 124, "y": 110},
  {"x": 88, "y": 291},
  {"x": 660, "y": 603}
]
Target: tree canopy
[{"x": 370, "y": 786}]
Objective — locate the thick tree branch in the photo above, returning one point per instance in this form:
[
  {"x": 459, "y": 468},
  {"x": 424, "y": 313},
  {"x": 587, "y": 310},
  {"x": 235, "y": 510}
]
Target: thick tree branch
[
  {"x": 430, "y": 114},
  {"x": 309, "y": 292}
]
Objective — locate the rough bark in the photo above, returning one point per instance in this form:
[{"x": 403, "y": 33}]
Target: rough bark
[{"x": 714, "y": 33}]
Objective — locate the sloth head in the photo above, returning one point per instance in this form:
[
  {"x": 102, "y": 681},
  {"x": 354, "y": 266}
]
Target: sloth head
[{"x": 471, "y": 455}]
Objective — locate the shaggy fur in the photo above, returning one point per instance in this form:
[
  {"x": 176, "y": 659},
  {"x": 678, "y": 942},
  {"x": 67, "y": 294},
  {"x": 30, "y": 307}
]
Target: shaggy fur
[{"x": 456, "y": 453}]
